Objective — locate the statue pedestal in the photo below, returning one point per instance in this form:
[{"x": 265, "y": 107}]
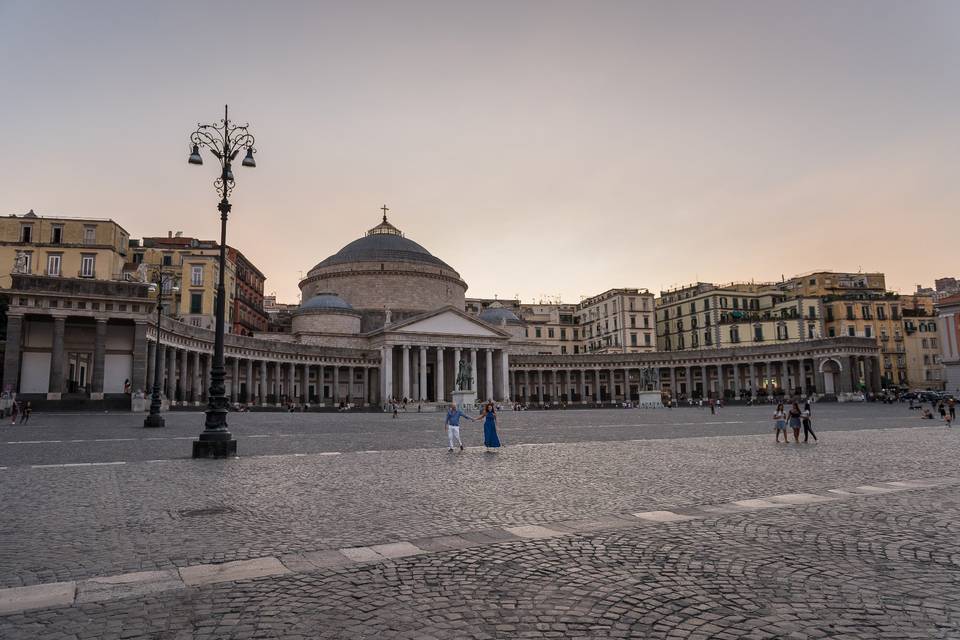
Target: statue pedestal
[
  {"x": 650, "y": 400},
  {"x": 465, "y": 399}
]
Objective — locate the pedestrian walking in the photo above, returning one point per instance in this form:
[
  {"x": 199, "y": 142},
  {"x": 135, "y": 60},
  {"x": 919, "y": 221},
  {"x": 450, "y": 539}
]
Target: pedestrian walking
[
  {"x": 452, "y": 424},
  {"x": 795, "y": 421},
  {"x": 394, "y": 406},
  {"x": 490, "y": 439},
  {"x": 807, "y": 423},
  {"x": 948, "y": 419},
  {"x": 942, "y": 409},
  {"x": 780, "y": 423},
  {"x": 14, "y": 412},
  {"x": 952, "y": 408},
  {"x": 27, "y": 410}
]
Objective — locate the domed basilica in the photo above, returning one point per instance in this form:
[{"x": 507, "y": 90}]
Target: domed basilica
[{"x": 386, "y": 292}]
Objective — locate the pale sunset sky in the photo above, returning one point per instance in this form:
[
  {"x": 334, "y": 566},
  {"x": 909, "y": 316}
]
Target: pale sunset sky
[{"x": 541, "y": 148}]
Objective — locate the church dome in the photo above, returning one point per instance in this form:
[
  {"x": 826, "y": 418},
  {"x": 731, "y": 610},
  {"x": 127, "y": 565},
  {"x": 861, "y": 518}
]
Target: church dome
[
  {"x": 496, "y": 313},
  {"x": 385, "y": 270},
  {"x": 326, "y": 301},
  {"x": 383, "y": 243}
]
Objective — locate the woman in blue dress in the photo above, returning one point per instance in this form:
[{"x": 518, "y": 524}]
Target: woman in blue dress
[{"x": 490, "y": 439}]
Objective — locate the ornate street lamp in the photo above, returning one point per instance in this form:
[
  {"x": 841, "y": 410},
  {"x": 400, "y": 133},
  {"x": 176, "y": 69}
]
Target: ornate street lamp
[
  {"x": 224, "y": 140},
  {"x": 161, "y": 281}
]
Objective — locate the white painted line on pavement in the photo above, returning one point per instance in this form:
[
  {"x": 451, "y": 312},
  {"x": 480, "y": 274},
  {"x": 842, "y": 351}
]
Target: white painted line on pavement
[
  {"x": 76, "y": 464},
  {"x": 330, "y": 453}
]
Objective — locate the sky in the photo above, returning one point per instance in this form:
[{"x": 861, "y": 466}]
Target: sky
[{"x": 544, "y": 149}]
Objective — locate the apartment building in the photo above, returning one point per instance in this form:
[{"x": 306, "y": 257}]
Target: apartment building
[{"x": 617, "y": 321}]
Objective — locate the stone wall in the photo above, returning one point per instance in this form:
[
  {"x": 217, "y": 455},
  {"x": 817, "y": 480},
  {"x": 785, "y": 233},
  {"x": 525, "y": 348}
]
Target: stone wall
[
  {"x": 325, "y": 321},
  {"x": 399, "y": 285}
]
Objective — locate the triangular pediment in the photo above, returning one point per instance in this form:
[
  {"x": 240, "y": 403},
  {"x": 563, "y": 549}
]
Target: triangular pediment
[{"x": 449, "y": 322}]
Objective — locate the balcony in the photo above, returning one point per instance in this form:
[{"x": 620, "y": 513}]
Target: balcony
[{"x": 87, "y": 274}]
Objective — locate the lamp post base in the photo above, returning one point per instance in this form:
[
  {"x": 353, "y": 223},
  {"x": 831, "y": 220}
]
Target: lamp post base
[
  {"x": 154, "y": 421},
  {"x": 215, "y": 445}
]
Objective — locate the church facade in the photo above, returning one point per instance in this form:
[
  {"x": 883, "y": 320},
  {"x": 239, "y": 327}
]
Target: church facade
[{"x": 382, "y": 319}]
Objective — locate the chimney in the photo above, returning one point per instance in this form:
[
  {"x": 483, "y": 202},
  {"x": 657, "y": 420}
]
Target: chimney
[{"x": 169, "y": 234}]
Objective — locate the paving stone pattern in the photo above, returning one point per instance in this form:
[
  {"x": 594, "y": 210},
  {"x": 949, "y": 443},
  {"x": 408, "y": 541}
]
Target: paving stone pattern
[{"x": 878, "y": 566}]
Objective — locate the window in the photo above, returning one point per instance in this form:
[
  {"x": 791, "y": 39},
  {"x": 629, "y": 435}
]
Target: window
[
  {"x": 736, "y": 303},
  {"x": 831, "y": 332},
  {"x": 867, "y": 314},
  {"x": 53, "y": 264},
  {"x": 924, "y": 343},
  {"x": 830, "y": 314},
  {"x": 895, "y": 312},
  {"x": 56, "y": 234},
  {"x": 811, "y": 312},
  {"x": 758, "y": 333},
  {"x": 538, "y": 332},
  {"x": 563, "y": 349},
  {"x": 693, "y": 307},
  {"x": 576, "y": 349},
  {"x": 811, "y": 331},
  {"x": 167, "y": 260},
  {"x": 563, "y": 333},
  {"x": 852, "y": 332},
  {"x": 868, "y": 331},
  {"x": 646, "y": 322},
  {"x": 706, "y": 304},
  {"x": 782, "y": 332},
  {"x": 646, "y": 339},
  {"x": 89, "y": 234},
  {"x": 881, "y": 312},
  {"x": 933, "y": 343},
  {"x": 849, "y": 312},
  {"x": 26, "y": 233},
  {"x": 550, "y": 332},
  {"x": 87, "y": 268},
  {"x": 633, "y": 322},
  {"x": 196, "y": 302},
  {"x": 707, "y": 338},
  {"x": 633, "y": 339}
]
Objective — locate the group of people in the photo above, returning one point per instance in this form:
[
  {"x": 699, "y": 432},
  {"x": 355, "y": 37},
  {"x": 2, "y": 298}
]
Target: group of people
[
  {"x": 22, "y": 411},
  {"x": 946, "y": 408},
  {"x": 489, "y": 416},
  {"x": 795, "y": 418}
]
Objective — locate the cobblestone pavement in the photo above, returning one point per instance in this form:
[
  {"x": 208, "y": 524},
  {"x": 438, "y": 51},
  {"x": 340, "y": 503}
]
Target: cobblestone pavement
[
  {"x": 877, "y": 566},
  {"x": 77, "y": 438}
]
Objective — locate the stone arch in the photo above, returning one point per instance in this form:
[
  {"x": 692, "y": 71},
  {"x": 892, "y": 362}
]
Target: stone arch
[{"x": 830, "y": 369}]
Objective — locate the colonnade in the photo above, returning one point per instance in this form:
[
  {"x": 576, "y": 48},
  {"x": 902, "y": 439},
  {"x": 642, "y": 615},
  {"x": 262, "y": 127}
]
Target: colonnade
[
  {"x": 428, "y": 373},
  {"x": 604, "y": 383},
  {"x": 185, "y": 378}
]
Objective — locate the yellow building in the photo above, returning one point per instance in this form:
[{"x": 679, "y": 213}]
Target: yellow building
[
  {"x": 552, "y": 325},
  {"x": 859, "y": 305},
  {"x": 925, "y": 368},
  {"x": 708, "y": 316},
  {"x": 195, "y": 263},
  {"x": 61, "y": 247}
]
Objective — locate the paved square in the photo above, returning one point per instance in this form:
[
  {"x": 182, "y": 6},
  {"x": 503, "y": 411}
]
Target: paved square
[{"x": 618, "y": 523}]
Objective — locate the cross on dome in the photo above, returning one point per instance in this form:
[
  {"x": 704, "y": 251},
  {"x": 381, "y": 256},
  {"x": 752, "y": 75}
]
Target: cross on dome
[{"x": 385, "y": 228}]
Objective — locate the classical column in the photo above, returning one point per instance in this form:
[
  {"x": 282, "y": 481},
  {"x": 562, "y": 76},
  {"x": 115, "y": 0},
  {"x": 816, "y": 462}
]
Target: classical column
[
  {"x": 611, "y": 389},
  {"x": 438, "y": 382},
  {"x": 262, "y": 390},
  {"x": 505, "y": 375},
  {"x": 235, "y": 379},
  {"x": 768, "y": 368},
  {"x": 350, "y": 382},
  {"x": 99, "y": 358},
  {"x": 56, "y": 358},
  {"x": 704, "y": 382},
  {"x": 753, "y": 379},
  {"x": 336, "y": 384},
  {"x": 138, "y": 373},
  {"x": 526, "y": 385},
  {"x": 196, "y": 379},
  {"x": 596, "y": 386},
  {"x": 785, "y": 377},
  {"x": 569, "y": 384},
  {"x": 673, "y": 382},
  {"x": 11, "y": 355},
  {"x": 405, "y": 372},
  {"x": 627, "y": 397},
  {"x": 422, "y": 391},
  {"x": 386, "y": 373},
  {"x": 582, "y": 378},
  {"x": 248, "y": 396},
  {"x": 162, "y": 354},
  {"x": 688, "y": 371},
  {"x": 172, "y": 373},
  {"x": 473, "y": 371},
  {"x": 184, "y": 380},
  {"x": 540, "y": 386},
  {"x": 488, "y": 382},
  {"x": 736, "y": 381}
]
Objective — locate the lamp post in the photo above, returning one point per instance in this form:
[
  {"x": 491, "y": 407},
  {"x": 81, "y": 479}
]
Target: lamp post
[
  {"x": 224, "y": 141},
  {"x": 154, "y": 419}
]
